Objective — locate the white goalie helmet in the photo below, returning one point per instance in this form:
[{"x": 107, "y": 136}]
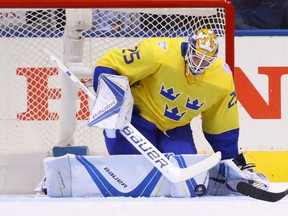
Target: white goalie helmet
[{"x": 202, "y": 50}]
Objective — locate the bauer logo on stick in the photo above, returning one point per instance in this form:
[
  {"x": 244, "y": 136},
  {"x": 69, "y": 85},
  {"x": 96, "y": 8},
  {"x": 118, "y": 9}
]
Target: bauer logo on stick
[{"x": 145, "y": 147}]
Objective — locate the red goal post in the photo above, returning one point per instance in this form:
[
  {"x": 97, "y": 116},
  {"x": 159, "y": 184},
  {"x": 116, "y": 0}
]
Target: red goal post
[{"x": 36, "y": 105}]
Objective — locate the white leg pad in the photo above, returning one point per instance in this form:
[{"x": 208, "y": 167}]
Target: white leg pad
[{"x": 119, "y": 175}]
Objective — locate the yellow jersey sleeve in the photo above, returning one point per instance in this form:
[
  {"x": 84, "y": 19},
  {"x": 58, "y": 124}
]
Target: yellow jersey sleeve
[{"x": 223, "y": 115}]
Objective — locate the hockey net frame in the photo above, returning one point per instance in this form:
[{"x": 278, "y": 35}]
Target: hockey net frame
[{"x": 33, "y": 129}]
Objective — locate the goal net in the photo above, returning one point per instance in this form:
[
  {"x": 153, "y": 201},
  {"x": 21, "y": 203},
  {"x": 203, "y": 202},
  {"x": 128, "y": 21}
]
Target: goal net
[{"x": 41, "y": 108}]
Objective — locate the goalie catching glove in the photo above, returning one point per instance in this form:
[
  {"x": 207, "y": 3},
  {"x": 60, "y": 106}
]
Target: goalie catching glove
[
  {"x": 227, "y": 174},
  {"x": 113, "y": 104},
  {"x": 254, "y": 178}
]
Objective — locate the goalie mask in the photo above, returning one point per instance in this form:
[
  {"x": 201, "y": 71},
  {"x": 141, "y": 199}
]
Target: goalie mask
[{"x": 202, "y": 50}]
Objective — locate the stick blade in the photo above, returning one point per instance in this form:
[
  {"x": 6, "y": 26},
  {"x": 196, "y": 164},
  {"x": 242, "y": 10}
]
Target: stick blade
[
  {"x": 257, "y": 193},
  {"x": 194, "y": 170}
]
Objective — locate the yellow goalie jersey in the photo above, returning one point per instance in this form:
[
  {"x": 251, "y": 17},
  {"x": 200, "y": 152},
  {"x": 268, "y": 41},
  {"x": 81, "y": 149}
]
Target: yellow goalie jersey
[{"x": 168, "y": 96}]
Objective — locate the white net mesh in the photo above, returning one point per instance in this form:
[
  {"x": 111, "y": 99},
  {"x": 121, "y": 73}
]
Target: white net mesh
[{"x": 31, "y": 86}]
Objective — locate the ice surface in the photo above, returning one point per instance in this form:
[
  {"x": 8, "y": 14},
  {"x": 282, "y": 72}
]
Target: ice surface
[{"x": 36, "y": 205}]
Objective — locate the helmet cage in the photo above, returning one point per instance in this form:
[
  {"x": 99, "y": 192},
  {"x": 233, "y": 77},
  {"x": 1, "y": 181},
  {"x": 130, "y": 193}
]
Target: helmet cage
[
  {"x": 202, "y": 50},
  {"x": 202, "y": 63}
]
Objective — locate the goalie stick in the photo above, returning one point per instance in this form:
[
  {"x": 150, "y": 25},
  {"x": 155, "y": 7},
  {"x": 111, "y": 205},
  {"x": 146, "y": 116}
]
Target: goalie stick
[
  {"x": 145, "y": 147},
  {"x": 257, "y": 193}
]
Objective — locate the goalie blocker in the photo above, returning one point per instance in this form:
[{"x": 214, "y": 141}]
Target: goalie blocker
[{"x": 114, "y": 103}]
